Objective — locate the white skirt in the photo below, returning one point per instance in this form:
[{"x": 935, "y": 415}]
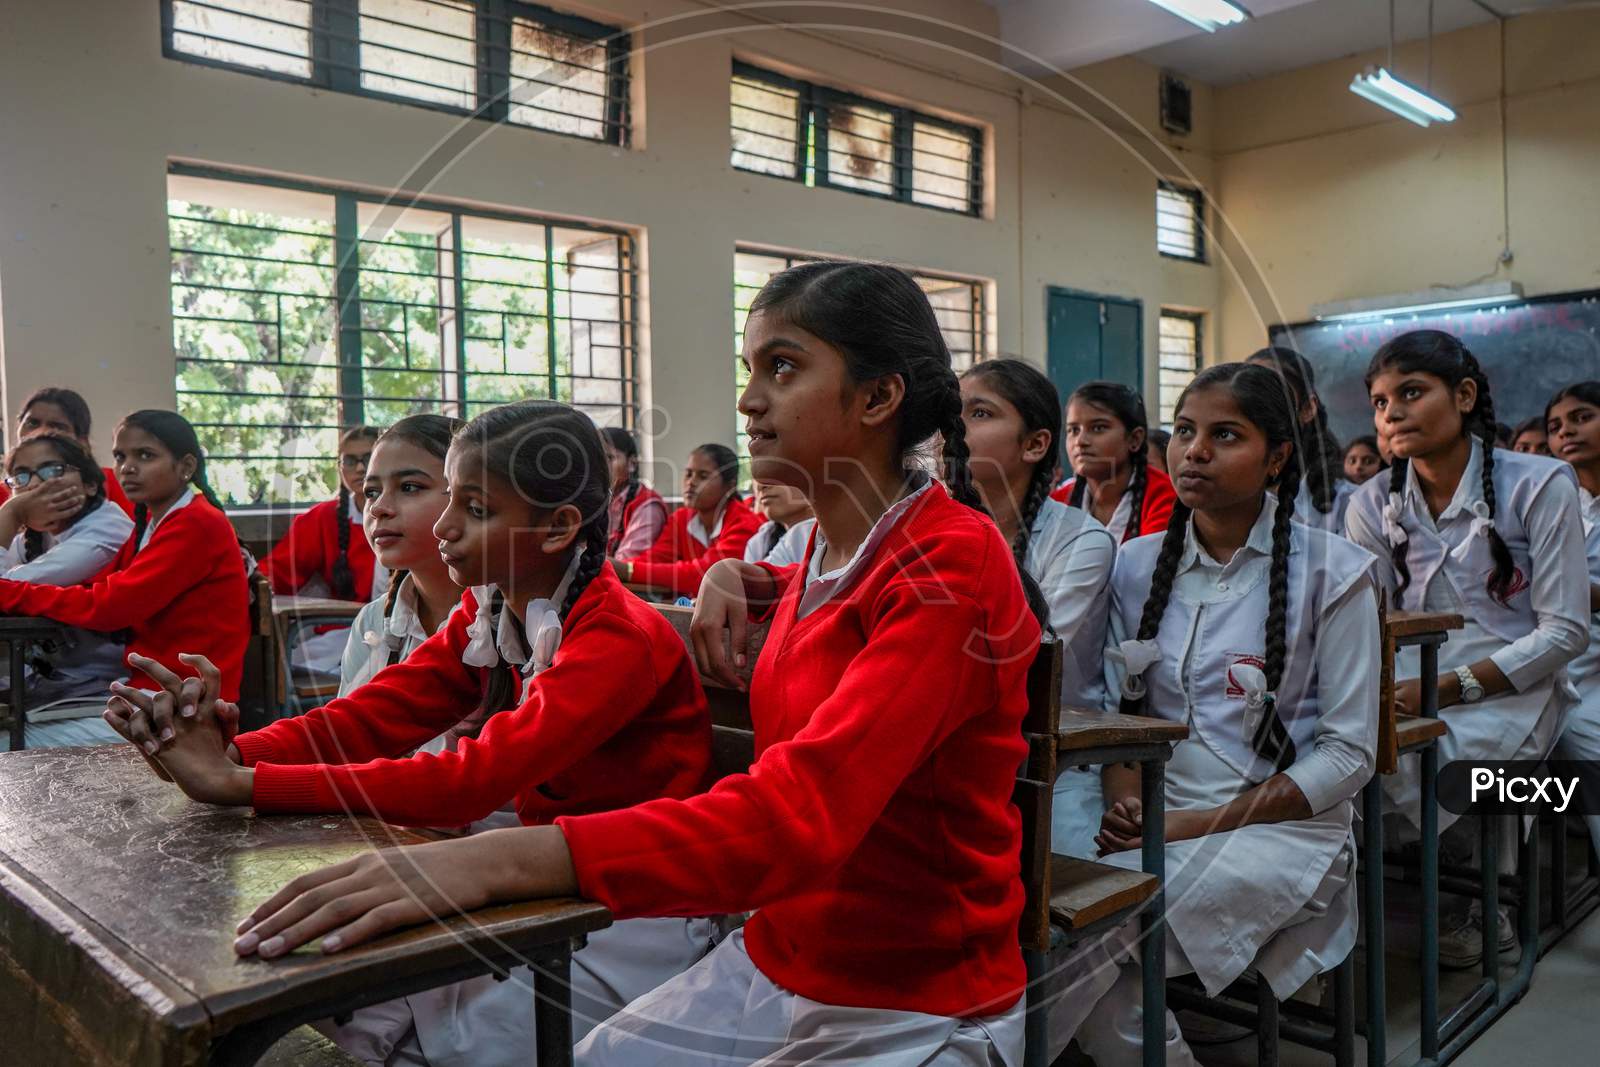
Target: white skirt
[
  {"x": 724, "y": 1011},
  {"x": 1075, "y": 812}
]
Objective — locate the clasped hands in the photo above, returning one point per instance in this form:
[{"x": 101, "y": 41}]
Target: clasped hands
[{"x": 184, "y": 730}]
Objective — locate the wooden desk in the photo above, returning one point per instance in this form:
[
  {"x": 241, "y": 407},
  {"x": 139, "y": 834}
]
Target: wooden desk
[
  {"x": 17, "y": 632},
  {"x": 118, "y": 901},
  {"x": 289, "y": 615}
]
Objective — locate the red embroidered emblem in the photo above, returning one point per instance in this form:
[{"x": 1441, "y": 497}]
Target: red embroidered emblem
[
  {"x": 1234, "y": 659},
  {"x": 1518, "y": 584}
]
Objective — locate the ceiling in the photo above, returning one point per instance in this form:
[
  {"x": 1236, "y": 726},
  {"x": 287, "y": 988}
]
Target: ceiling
[{"x": 1281, "y": 35}]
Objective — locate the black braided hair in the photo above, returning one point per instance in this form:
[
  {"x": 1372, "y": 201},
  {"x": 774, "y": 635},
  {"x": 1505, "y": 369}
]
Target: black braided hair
[
  {"x": 344, "y": 583},
  {"x": 621, "y": 440},
  {"x": 1443, "y": 356},
  {"x": 388, "y": 611},
  {"x": 1038, "y": 404},
  {"x": 1128, "y": 407},
  {"x": 177, "y": 436},
  {"x": 69, "y": 451},
  {"x": 551, "y": 454},
  {"x": 1261, "y": 399},
  {"x": 880, "y": 320},
  {"x": 1322, "y": 459}
]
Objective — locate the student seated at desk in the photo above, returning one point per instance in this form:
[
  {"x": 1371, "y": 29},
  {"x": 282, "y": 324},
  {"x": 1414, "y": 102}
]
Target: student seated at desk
[
  {"x": 638, "y": 514},
  {"x": 1013, "y": 420},
  {"x": 64, "y": 412},
  {"x": 563, "y": 692},
  {"x": 1114, "y": 482},
  {"x": 713, "y": 524},
  {"x": 176, "y": 583},
  {"x": 875, "y": 834},
  {"x": 1495, "y": 536},
  {"x": 782, "y": 539},
  {"x": 1262, "y": 634},
  {"x": 59, "y": 529}
]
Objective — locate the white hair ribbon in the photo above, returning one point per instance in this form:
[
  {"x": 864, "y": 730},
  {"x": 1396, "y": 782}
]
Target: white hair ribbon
[
  {"x": 1135, "y": 657},
  {"x": 1391, "y": 521},
  {"x": 1482, "y": 527}
]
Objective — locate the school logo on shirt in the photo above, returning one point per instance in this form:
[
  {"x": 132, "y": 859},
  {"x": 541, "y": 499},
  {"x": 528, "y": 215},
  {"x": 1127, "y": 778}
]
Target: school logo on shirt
[
  {"x": 1519, "y": 583},
  {"x": 1235, "y": 689}
]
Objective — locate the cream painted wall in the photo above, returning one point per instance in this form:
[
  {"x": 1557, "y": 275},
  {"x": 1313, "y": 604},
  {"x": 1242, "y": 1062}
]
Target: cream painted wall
[
  {"x": 94, "y": 113},
  {"x": 1328, "y": 197}
]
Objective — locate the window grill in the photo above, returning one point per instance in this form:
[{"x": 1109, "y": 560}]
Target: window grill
[
  {"x": 1180, "y": 222},
  {"x": 1178, "y": 352}
]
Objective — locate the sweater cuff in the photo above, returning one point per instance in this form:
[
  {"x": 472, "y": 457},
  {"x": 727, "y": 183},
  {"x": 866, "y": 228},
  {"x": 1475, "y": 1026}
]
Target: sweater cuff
[
  {"x": 597, "y": 873},
  {"x": 298, "y": 788},
  {"x": 254, "y": 747}
]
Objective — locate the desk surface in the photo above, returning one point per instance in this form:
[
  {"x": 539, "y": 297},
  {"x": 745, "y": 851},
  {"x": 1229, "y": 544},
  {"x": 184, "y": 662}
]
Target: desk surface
[
  {"x": 1081, "y": 729},
  {"x": 1411, "y": 623},
  {"x": 318, "y": 605},
  {"x": 119, "y": 896}
]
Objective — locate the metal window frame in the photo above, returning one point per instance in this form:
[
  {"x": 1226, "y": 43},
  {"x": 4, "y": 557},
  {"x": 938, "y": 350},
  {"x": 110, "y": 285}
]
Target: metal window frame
[
  {"x": 812, "y": 111},
  {"x": 335, "y": 60},
  {"x": 350, "y": 369},
  {"x": 1196, "y": 197},
  {"x": 1198, "y": 320}
]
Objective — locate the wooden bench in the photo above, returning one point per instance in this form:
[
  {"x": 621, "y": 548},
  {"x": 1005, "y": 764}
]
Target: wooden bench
[
  {"x": 305, "y": 1047},
  {"x": 291, "y": 616}
]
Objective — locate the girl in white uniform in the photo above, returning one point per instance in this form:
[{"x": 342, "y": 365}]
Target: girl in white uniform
[
  {"x": 1492, "y": 535},
  {"x": 58, "y": 530},
  {"x": 1324, "y": 494},
  {"x": 782, "y": 539},
  {"x": 1572, "y": 420},
  {"x": 1013, "y": 418},
  {"x": 1261, "y": 635}
]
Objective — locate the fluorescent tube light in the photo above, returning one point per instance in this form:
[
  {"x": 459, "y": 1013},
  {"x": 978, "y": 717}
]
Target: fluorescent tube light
[
  {"x": 1407, "y": 101},
  {"x": 1441, "y": 305},
  {"x": 1207, "y": 14}
]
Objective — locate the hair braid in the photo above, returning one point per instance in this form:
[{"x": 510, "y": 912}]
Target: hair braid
[
  {"x": 1038, "y": 493},
  {"x": 1397, "y": 552},
  {"x": 1272, "y": 741},
  {"x": 388, "y": 610},
  {"x": 344, "y": 585},
  {"x": 1136, "y": 485},
  {"x": 1505, "y": 567},
  {"x": 1319, "y": 470},
  {"x": 141, "y": 520},
  {"x": 1161, "y": 578},
  {"x": 594, "y": 557},
  {"x": 1075, "y": 498}
]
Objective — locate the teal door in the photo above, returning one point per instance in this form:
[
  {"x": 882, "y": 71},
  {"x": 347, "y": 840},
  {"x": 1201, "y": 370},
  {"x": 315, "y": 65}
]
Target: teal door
[{"x": 1092, "y": 337}]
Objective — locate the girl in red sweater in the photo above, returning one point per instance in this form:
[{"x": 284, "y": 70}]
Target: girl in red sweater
[
  {"x": 319, "y": 550},
  {"x": 1106, "y": 429},
  {"x": 591, "y": 704},
  {"x": 875, "y": 833},
  {"x": 638, "y": 513},
  {"x": 178, "y": 582},
  {"x": 713, "y": 524},
  {"x": 64, "y": 411}
]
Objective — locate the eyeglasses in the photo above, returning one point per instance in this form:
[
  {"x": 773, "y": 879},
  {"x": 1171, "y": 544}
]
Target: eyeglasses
[
  {"x": 22, "y": 476},
  {"x": 353, "y": 460}
]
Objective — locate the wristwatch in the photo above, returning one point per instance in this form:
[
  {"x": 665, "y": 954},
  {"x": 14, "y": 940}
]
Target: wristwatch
[{"x": 1471, "y": 688}]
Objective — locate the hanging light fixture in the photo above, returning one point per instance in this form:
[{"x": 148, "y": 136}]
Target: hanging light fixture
[
  {"x": 1404, "y": 99},
  {"x": 1207, "y": 14}
]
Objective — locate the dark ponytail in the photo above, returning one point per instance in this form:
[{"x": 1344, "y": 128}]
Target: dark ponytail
[
  {"x": 1323, "y": 460},
  {"x": 344, "y": 583},
  {"x": 1443, "y": 356},
  {"x": 1034, "y": 396},
  {"x": 551, "y": 454},
  {"x": 880, "y": 321},
  {"x": 177, "y": 436},
  {"x": 1128, "y": 407},
  {"x": 74, "y": 455},
  {"x": 1260, "y": 397}
]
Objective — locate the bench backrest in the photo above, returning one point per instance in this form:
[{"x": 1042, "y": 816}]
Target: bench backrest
[{"x": 733, "y": 750}]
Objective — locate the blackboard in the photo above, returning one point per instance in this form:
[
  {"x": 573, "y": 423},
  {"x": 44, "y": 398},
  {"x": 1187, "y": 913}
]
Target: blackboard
[{"x": 1530, "y": 349}]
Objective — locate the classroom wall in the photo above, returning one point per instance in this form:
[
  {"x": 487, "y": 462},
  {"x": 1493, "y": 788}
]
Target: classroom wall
[
  {"x": 94, "y": 113},
  {"x": 1327, "y": 197}
]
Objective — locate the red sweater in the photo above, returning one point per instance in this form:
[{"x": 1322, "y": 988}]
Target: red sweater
[
  {"x": 619, "y": 530},
  {"x": 185, "y": 591},
  {"x": 310, "y": 548},
  {"x": 677, "y": 561},
  {"x": 617, "y": 719},
  {"x": 114, "y": 492},
  {"x": 875, "y": 832},
  {"x": 1159, "y": 496}
]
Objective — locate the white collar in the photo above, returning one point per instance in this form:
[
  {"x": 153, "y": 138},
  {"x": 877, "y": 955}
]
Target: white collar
[
  {"x": 1258, "y": 542},
  {"x": 819, "y": 587},
  {"x": 1469, "y": 490},
  {"x": 697, "y": 528},
  {"x": 183, "y": 501},
  {"x": 542, "y": 624}
]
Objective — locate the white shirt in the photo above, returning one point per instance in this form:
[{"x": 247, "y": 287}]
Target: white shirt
[
  {"x": 1070, "y": 556},
  {"x": 372, "y": 637},
  {"x": 821, "y": 588},
  {"x": 697, "y": 527},
  {"x": 780, "y": 550},
  {"x": 76, "y": 554}
]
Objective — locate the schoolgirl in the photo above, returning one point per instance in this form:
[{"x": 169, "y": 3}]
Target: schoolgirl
[
  {"x": 1106, "y": 430},
  {"x": 591, "y": 704},
  {"x": 713, "y": 524},
  {"x": 874, "y": 835},
  {"x": 1362, "y": 460},
  {"x": 1013, "y": 421},
  {"x": 58, "y": 530},
  {"x": 1492, "y": 535},
  {"x": 1531, "y": 437},
  {"x": 324, "y": 552},
  {"x": 1324, "y": 495},
  {"x": 782, "y": 539},
  {"x": 637, "y": 511},
  {"x": 1572, "y": 419},
  {"x": 176, "y": 583},
  {"x": 1262, "y": 635},
  {"x": 65, "y": 412}
]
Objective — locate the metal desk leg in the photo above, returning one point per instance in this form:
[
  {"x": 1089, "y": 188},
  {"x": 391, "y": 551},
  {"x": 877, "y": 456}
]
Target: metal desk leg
[
  {"x": 1344, "y": 1013},
  {"x": 1489, "y": 898},
  {"x": 1372, "y": 917},
  {"x": 18, "y": 693},
  {"x": 552, "y": 1005},
  {"x": 1430, "y": 862},
  {"x": 1152, "y": 922}
]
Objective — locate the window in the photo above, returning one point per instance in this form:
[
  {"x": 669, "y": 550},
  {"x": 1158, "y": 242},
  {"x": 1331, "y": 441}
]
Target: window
[
  {"x": 1180, "y": 222},
  {"x": 1179, "y": 356},
  {"x": 808, "y": 133},
  {"x": 958, "y": 303},
  {"x": 297, "y": 311},
  {"x": 500, "y": 60}
]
